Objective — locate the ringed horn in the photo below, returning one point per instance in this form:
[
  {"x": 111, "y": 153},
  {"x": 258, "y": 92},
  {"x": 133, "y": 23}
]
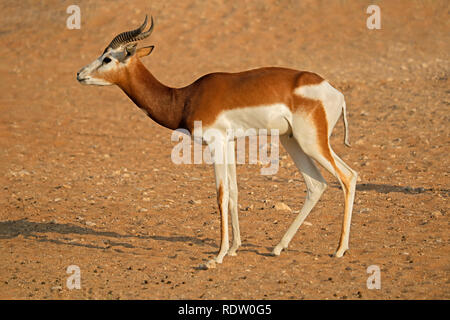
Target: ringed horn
[{"x": 131, "y": 36}]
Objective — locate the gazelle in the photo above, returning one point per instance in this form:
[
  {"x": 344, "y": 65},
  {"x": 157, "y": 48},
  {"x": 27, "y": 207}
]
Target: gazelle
[{"x": 301, "y": 105}]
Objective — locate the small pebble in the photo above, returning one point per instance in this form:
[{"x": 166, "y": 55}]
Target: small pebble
[{"x": 281, "y": 206}]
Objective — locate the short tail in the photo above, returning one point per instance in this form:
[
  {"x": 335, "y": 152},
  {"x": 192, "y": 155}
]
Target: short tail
[{"x": 344, "y": 117}]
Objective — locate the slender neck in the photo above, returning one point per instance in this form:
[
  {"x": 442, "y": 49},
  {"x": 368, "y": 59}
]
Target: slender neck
[{"x": 157, "y": 100}]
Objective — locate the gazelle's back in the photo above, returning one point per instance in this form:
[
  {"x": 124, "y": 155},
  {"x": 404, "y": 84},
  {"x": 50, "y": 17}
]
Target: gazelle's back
[{"x": 258, "y": 89}]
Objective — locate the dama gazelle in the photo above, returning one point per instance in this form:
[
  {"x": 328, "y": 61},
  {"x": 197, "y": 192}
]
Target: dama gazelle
[{"x": 301, "y": 105}]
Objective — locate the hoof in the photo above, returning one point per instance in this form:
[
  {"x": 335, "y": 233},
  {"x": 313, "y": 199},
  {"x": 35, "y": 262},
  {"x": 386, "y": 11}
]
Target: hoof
[
  {"x": 211, "y": 264},
  {"x": 276, "y": 251},
  {"x": 340, "y": 253}
]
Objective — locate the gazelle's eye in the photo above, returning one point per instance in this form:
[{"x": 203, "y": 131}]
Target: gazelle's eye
[{"x": 106, "y": 60}]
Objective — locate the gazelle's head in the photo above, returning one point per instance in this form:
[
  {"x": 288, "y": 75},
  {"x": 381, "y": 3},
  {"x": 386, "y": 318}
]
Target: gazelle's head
[{"x": 105, "y": 69}]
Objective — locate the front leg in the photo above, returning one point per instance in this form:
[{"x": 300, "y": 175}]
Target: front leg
[
  {"x": 222, "y": 187},
  {"x": 233, "y": 203}
]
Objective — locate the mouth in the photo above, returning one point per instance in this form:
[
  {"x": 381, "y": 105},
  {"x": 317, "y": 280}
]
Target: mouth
[
  {"x": 88, "y": 80},
  {"x": 82, "y": 80}
]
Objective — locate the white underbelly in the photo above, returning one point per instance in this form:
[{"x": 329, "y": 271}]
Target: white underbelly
[{"x": 251, "y": 120}]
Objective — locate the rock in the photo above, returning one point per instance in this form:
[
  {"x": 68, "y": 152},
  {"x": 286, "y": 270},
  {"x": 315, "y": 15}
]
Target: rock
[
  {"x": 436, "y": 214},
  {"x": 282, "y": 206},
  {"x": 20, "y": 173},
  {"x": 90, "y": 223},
  {"x": 195, "y": 201},
  {"x": 116, "y": 173},
  {"x": 306, "y": 223}
]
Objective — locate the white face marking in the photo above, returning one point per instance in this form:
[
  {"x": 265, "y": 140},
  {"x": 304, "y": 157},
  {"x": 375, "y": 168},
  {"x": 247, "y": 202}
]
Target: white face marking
[{"x": 107, "y": 62}]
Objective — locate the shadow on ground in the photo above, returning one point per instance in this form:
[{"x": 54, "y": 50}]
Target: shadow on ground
[
  {"x": 388, "y": 188},
  {"x": 34, "y": 230}
]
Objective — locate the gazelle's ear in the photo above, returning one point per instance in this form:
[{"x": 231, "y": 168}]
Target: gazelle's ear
[{"x": 144, "y": 51}]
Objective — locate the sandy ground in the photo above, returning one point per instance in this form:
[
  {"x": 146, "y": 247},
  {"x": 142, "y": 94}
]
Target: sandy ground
[{"x": 86, "y": 178}]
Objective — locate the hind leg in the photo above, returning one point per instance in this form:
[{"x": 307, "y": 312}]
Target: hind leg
[
  {"x": 347, "y": 178},
  {"x": 350, "y": 186},
  {"x": 313, "y": 139},
  {"x": 315, "y": 185}
]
